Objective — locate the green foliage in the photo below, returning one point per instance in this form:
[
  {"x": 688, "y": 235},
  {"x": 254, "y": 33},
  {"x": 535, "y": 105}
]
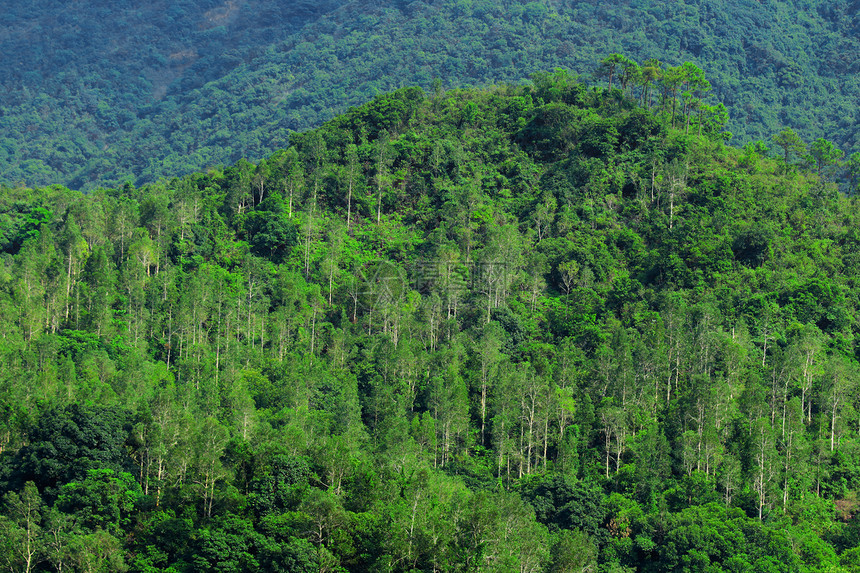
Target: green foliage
[
  {"x": 538, "y": 327},
  {"x": 68, "y": 442},
  {"x": 192, "y": 85},
  {"x": 104, "y": 500}
]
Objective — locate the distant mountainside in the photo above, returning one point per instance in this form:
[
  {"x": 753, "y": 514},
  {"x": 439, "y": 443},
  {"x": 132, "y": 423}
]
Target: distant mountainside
[{"x": 96, "y": 94}]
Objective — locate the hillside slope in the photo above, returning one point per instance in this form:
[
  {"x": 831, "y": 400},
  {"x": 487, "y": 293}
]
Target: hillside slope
[{"x": 532, "y": 328}]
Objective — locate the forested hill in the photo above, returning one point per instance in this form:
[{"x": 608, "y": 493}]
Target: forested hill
[
  {"x": 534, "y": 328},
  {"x": 103, "y": 93}
]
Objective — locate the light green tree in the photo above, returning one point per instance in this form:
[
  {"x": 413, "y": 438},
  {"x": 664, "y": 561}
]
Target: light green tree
[
  {"x": 790, "y": 143},
  {"x": 21, "y": 539}
]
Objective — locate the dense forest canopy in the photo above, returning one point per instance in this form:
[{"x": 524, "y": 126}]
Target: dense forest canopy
[
  {"x": 98, "y": 93},
  {"x": 540, "y": 327}
]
